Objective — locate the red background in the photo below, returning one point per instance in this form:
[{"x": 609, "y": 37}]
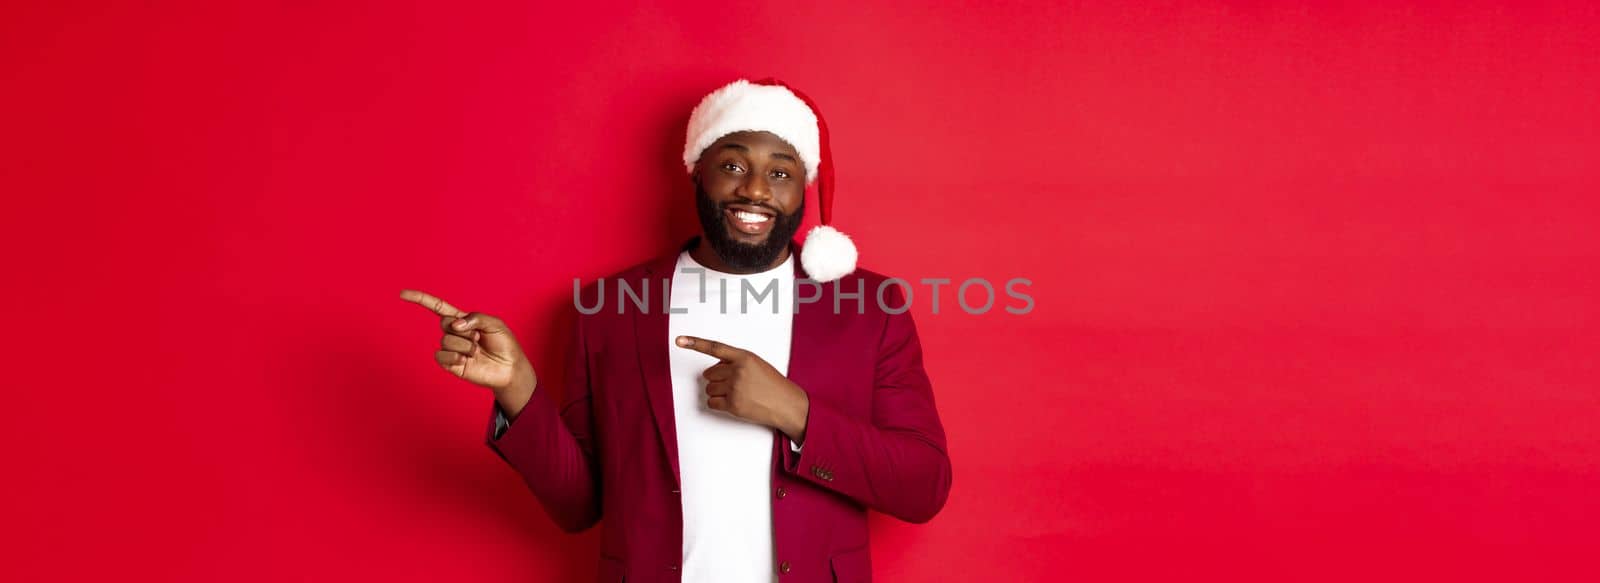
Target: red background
[{"x": 1315, "y": 286}]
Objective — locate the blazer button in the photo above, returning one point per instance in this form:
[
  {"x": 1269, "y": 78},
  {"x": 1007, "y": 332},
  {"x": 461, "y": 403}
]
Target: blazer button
[
  {"x": 782, "y": 492},
  {"x": 783, "y": 567}
]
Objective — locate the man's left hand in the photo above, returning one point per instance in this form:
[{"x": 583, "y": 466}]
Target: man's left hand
[{"x": 746, "y": 386}]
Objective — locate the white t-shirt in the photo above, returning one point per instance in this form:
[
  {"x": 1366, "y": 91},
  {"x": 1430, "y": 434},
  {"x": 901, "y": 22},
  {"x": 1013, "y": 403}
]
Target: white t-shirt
[{"x": 725, "y": 462}]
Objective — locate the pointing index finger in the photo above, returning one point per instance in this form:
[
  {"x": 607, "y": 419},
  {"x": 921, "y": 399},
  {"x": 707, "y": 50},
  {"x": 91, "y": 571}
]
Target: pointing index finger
[
  {"x": 430, "y": 302},
  {"x": 716, "y": 349}
]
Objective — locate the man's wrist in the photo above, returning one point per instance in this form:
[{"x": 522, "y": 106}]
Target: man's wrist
[
  {"x": 515, "y": 396},
  {"x": 794, "y": 422}
]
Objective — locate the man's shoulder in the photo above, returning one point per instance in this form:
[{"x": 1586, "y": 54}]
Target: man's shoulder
[
  {"x": 870, "y": 282},
  {"x": 643, "y": 280},
  {"x": 864, "y": 296},
  {"x": 867, "y": 276},
  {"x": 653, "y": 268},
  {"x": 638, "y": 270}
]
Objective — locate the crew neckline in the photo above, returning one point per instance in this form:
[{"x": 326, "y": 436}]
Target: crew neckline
[{"x": 785, "y": 267}]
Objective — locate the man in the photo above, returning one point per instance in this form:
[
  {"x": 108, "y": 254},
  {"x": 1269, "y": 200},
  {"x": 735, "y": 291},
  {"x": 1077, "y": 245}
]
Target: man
[{"x": 729, "y": 436}]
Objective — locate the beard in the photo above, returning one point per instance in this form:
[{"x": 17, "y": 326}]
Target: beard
[{"x": 739, "y": 255}]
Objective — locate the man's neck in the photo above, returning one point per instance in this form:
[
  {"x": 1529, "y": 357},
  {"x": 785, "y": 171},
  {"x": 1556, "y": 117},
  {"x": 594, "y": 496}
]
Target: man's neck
[{"x": 705, "y": 255}]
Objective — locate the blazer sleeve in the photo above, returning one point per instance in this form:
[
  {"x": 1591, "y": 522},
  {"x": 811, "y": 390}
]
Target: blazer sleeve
[
  {"x": 896, "y": 462},
  {"x": 553, "y": 448}
]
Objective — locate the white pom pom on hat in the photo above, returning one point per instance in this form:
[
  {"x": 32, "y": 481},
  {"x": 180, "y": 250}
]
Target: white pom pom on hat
[{"x": 770, "y": 105}]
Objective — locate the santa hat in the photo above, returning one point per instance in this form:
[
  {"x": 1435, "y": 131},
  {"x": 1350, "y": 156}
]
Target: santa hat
[{"x": 769, "y": 105}]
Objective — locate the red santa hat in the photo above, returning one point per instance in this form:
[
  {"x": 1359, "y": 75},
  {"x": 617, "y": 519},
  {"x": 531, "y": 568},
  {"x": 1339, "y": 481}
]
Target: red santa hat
[{"x": 769, "y": 105}]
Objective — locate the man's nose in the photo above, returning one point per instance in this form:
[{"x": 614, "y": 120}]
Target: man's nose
[{"x": 755, "y": 189}]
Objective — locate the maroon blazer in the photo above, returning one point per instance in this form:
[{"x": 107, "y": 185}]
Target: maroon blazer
[{"x": 609, "y": 447}]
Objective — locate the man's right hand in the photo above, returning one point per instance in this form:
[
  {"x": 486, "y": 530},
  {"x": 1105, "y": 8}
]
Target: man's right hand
[{"x": 480, "y": 348}]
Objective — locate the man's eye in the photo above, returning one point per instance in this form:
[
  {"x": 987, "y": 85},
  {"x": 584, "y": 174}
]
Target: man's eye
[
  {"x": 780, "y": 174},
  {"x": 731, "y": 167}
]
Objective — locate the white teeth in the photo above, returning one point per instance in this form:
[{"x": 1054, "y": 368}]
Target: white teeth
[{"x": 749, "y": 217}]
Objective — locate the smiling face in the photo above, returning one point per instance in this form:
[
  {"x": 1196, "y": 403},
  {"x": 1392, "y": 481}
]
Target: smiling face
[{"x": 750, "y": 193}]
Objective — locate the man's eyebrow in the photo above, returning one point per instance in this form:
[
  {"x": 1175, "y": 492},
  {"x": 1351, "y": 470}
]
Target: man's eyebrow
[{"x": 746, "y": 149}]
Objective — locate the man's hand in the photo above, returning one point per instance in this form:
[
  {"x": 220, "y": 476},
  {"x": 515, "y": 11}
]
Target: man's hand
[
  {"x": 745, "y": 386},
  {"x": 480, "y": 348}
]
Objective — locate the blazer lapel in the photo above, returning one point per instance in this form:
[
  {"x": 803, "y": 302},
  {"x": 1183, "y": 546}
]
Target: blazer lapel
[
  {"x": 810, "y": 323},
  {"x": 650, "y": 339}
]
